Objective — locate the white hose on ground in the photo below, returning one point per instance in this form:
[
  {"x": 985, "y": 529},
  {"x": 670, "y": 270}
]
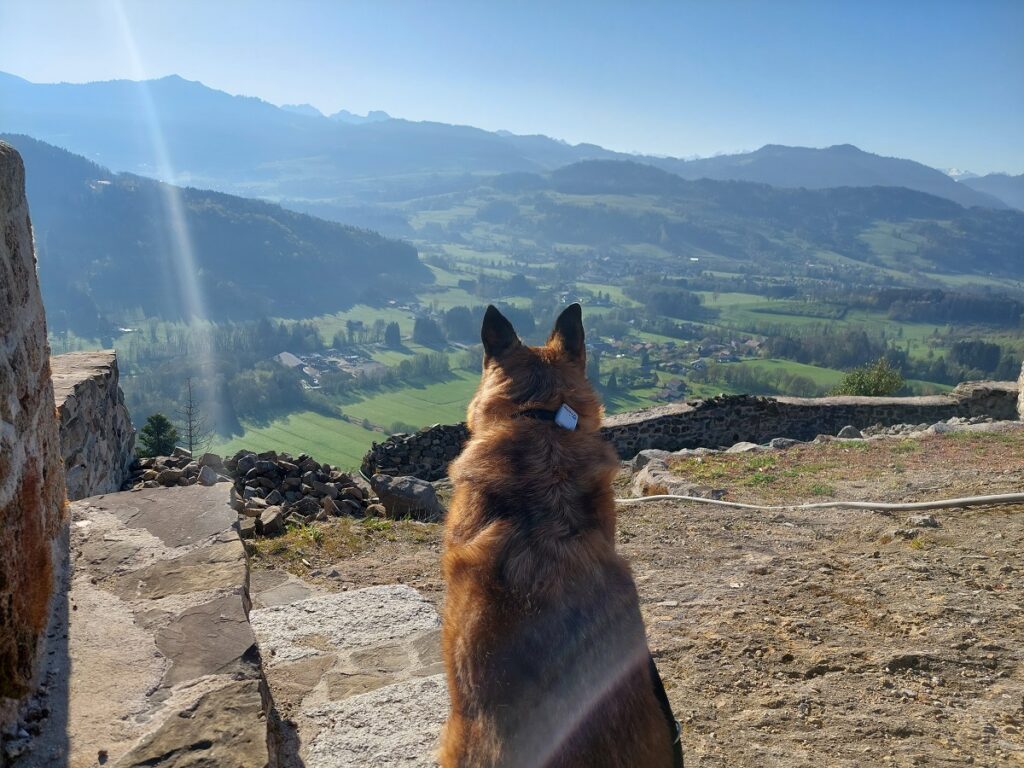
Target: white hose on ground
[{"x": 914, "y": 506}]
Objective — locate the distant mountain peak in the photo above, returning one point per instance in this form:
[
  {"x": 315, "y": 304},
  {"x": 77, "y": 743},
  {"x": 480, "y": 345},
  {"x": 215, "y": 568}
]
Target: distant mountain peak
[
  {"x": 373, "y": 116},
  {"x": 959, "y": 174},
  {"x": 303, "y": 109}
]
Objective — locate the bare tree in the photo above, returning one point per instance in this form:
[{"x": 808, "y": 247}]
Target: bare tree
[{"x": 195, "y": 431}]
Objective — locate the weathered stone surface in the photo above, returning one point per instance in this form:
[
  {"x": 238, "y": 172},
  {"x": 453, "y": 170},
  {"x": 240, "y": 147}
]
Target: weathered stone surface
[
  {"x": 643, "y": 458},
  {"x": 211, "y": 460},
  {"x": 210, "y": 639},
  {"x": 394, "y": 725},
  {"x": 170, "y": 476},
  {"x": 218, "y": 730},
  {"x": 176, "y": 516},
  {"x": 96, "y": 433},
  {"x": 328, "y": 656},
  {"x": 850, "y": 432},
  {"x": 31, "y": 468},
  {"x": 655, "y": 479},
  {"x": 207, "y": 475},
  {"x": 408, "y": 496},
  {"x": 271, "y": 522},
  {"x": 743, "y": 447},
  {"x": 218, "y": 566},
  {"x": 364, "y": 618},
  {"x": 155, "y": 663}
]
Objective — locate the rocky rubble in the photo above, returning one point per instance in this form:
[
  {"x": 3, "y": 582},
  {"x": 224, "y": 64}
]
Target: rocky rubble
[
  {"x": 272, "y": 490},
  {"x": 177, "y": 469}
]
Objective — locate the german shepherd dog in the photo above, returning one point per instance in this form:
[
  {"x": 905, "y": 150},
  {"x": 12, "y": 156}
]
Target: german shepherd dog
[{"x": 543, "y": 641}]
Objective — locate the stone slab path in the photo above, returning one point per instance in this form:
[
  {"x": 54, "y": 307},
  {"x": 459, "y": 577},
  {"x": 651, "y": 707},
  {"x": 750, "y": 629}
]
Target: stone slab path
[
  {"x": 356, "y": 677},
  {"x": 151, "y": 659}
]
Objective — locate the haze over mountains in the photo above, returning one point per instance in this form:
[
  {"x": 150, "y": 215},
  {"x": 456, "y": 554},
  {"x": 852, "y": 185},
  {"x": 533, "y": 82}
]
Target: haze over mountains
[
  {"x": 247, "y": 146},
  {"x": 106, "y": 249},
  {"x": 1009, "y": 189}
]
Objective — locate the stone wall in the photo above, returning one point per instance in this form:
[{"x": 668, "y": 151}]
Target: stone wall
[
  {"x": 1020, "y": 393},
  {"x": 424, "y": 454},
  {"x": 96, "y": 434},
  {"x": 724, "y": 421},
  {"x": 720, "y": 421},
  {"x": 31, "y": 471}
]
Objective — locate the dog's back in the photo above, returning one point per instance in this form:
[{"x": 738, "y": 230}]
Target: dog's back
[{"x": 543, "y": 640}]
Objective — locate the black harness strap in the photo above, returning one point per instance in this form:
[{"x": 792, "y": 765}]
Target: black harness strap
[
  {"x": 674, "y": 728},
  {"x": 538, "y": 413}
]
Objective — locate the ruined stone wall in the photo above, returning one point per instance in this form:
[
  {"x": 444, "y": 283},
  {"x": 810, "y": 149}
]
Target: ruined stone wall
[
  {"x": 720, "y": 421},
  {"x": 96, "y": 434},
  {"x": 1020, "y": 393},
  {"x": 424, "y": 454},
  {"x": 31, "y": 470}
]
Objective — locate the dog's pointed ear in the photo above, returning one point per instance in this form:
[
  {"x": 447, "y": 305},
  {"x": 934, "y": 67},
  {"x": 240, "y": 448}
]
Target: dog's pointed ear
[
  {"x": 497, "y": 334},
  {"x": 567, "y": 334}
]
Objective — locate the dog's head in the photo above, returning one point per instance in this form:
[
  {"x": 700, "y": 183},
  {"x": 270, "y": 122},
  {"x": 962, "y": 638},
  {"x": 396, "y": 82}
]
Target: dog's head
[{"x": 518, "y": 378}]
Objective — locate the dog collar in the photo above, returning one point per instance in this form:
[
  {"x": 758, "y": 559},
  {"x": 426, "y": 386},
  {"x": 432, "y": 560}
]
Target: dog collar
[{"x": 565, "y": 417}]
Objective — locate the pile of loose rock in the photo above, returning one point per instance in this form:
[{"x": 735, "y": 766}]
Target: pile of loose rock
[
  {"x": 274, "y": 489},
  {"x": 271, "y": 490},
  {"x": 949, "y": 425},
  {"x": 177, "y": 469}
]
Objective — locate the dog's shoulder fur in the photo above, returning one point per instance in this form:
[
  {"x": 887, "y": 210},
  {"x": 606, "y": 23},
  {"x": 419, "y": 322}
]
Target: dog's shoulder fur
[{"x": 543, "y": 640}]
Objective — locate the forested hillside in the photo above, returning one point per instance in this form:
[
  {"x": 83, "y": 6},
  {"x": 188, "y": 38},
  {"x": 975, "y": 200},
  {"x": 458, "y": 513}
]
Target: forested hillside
[{"x": 111, "y": 245}]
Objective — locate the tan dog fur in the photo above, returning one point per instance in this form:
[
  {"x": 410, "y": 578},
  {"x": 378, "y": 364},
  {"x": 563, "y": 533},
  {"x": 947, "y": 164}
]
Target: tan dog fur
[{"x": 543, "y": 640}]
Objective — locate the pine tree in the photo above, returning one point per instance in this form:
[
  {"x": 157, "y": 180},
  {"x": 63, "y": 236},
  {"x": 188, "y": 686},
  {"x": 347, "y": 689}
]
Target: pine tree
[
  {"x": 158, "y": 437},
  {"x": 392, "y": 335}
]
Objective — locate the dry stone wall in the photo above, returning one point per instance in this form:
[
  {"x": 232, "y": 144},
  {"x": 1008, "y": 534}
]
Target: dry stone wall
[
  {"x": 1020, "y": 394},
  {"x": 96, "y": 433},
  {"x": 717, "y": 422},
  {"x": 424, "y": 454},
  {"x": 31, "y": 471}
]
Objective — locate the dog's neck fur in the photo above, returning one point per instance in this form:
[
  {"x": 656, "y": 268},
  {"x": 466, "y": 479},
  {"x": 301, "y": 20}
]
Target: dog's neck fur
[{"x": 542, "y": 486}]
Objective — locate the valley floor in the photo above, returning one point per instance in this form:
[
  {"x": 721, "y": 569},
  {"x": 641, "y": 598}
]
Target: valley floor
[{"x": 801, "y": 638}]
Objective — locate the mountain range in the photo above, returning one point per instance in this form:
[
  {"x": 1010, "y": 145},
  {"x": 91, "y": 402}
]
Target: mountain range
[
  {"x": 1009, "y": 189},
  {"x": 295, "y": 154},
  {"x": 111, "y": 244},
  {"x": 632, "y": 218}
]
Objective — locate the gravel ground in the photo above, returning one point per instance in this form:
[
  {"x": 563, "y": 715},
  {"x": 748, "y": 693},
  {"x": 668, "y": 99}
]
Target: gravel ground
[{"x": 825, "y": 638}]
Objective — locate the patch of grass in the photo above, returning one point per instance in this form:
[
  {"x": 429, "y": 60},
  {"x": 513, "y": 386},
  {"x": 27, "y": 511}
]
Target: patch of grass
[
  {"x": 761, "y": 462},
  {"x": 822, "y": 489},
  {"x": 905, "y": 446},
  {"x": 328, "y": 439},
  {"x": 701, "y": 470},
  {"x": 863, "y": 446},
  {"x": 443, "y": 402},
  {"x": 317, "y": 545},
  {"x": 759, "y": 479},
  {"x": 377, "y": 524},
  {"x": 317, "y": 542}
]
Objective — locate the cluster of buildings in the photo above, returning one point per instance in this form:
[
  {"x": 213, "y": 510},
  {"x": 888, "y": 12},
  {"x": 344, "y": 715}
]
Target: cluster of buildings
[{"x": 314, "y": 364}]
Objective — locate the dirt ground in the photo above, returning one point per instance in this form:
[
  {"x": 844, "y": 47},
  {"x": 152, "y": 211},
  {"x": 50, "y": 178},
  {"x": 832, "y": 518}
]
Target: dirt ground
[{"x": 804, "y": 638}]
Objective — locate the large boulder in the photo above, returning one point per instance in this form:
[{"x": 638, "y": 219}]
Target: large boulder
[
  {"x": 271, "y": 522},
  {"x": 407, "y": 497},
  {"x": 208, "y": 475}
]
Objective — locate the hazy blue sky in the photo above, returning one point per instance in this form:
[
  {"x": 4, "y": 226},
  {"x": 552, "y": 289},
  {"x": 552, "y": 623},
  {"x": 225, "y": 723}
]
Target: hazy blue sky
[{"x": 939, "y": 82}]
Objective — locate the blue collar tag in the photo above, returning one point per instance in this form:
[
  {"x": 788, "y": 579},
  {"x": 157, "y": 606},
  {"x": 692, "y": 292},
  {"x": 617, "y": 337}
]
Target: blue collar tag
[{"x": 566, "y": 417}]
